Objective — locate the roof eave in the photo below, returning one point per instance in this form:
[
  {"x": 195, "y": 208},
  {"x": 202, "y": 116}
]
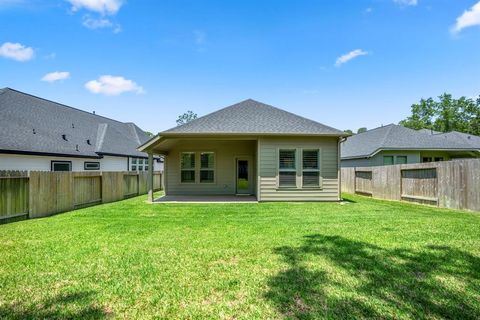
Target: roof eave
[
  {"x": 257, "y": 134},
  {"x": 144, "y": 147}
]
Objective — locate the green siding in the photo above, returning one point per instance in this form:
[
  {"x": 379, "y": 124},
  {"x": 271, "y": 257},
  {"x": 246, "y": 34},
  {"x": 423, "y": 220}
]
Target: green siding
[
  {"x": 413, "y": 156},
  {"x": 268, "y": 172}
]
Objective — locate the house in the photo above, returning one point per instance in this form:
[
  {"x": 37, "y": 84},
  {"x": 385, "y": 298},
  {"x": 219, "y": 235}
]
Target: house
[
  {"x": 251, "y": 148},
  {"x": 38, "y": 134},
  {"x": 395, "y": 144}
]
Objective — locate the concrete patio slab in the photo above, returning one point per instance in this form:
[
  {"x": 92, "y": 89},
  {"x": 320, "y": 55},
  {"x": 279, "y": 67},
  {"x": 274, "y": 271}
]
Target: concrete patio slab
[{"x": 206, "y": 199}]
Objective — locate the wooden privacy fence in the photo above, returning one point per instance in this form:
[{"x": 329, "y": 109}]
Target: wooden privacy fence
[
  {"x": 450, "y": 184},
  {"x": 36, "y": 194}
]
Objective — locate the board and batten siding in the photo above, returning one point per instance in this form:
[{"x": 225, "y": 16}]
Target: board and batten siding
[
  {"x": 226, "y": 153},
  {"x": 268, "y": 169}
]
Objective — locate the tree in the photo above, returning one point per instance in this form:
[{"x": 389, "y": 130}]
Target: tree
[
  {"x": 445, "y": 115},
  {"x": 148, "y": 133},
  {"x": 422, "y": 115},
  {"x": 350, "y": 132},
  {"x": 362, "y": 130},
  {"x": 186, "y": 117}
]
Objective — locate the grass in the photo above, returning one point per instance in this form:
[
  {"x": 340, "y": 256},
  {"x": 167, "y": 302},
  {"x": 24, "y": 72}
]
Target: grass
[{"x": 361, "y": 259}]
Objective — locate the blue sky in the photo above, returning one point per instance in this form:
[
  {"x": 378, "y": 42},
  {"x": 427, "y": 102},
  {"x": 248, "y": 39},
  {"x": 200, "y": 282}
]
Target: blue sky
[{"x": 347, "y": 64}]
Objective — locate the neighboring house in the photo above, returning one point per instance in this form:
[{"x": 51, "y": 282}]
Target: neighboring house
[
  {"x": 395, "y": 144},
  {"x": 251, "y": 148},
  {"x": 38, "y": 134}
]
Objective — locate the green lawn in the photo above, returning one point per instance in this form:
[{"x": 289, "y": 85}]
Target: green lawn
[{"x": 363, "y": 258}]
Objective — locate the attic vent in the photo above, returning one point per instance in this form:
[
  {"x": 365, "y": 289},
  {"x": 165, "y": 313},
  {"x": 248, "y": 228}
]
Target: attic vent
[
  {"x": 76, "y": 147},
  {"x": 88, "y": 142},
  {"x": 64, "y": 137},
  {"x": 34, "y": 132},
  {"x": 93, "y": 112}
]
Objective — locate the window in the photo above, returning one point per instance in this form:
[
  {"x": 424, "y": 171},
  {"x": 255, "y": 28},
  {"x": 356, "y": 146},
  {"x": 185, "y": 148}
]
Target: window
[
  {"x": 311, "y": 168},
  {"x": 91, "y": 165},
  {"x": 287, "y": 168},
  {"x": 61, "y": 166},
  {"x": 187, "y": 167},
  {"x": 438, "y": 159},
  {"x": 138, "y": 164},
  {"x": 207, "y": 167},
  {"x": 387, "y": 160},
  {"x": 427, "y": 159},
  {"x": 401, "y": 159}
]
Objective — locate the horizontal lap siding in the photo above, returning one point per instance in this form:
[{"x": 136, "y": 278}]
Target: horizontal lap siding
[
  {"x": 268, "y": 148},
  {"x": 225, "y": 153}
]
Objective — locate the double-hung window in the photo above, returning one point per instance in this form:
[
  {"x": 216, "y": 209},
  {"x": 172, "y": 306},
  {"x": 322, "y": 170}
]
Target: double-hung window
[
  {"x": 187, "y": 167},
  {"x": 207, "y": 167},
  {"x": 310, "y": 168},
  {"x": 287, "y": 169}
]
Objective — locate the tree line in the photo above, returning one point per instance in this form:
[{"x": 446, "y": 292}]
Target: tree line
[{"x": 444, "y": 114}]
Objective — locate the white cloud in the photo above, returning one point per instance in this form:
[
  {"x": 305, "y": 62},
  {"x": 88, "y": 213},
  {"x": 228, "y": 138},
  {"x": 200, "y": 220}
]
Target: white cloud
[
  {"x": 101, "y": 6},
  {"x": 112, "y": 86},
  {"x": 469, "y": 18},
  {"x": 349, "y": 56},
  {"x": 406, "y": 2},
  {"x": 16, "y": 51},
  {"x": 56, "y": 76},
  {"x": 92, "y": 23}
]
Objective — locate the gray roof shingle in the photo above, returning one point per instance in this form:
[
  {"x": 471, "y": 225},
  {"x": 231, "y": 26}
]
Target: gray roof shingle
[
  {"x": 396, "y": 137},
  {"x": 22, "y": 114},
  {"x": 253, "y": 117}
]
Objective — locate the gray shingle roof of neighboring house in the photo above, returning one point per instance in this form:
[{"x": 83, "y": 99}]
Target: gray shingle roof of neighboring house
[
  {"x": 396, "y": 137},
  {"x": 253, "y": 117},
  {"x": 29, "y": 124}
]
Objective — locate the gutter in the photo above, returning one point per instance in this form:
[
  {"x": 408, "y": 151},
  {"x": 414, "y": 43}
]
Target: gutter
[
  {"x": 409, "y": 149},
  {"x": 50, "y": 154}
]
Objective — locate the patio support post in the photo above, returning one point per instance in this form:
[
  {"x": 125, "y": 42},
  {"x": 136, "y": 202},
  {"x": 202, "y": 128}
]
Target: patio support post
[{"x": 150, "y": 177}]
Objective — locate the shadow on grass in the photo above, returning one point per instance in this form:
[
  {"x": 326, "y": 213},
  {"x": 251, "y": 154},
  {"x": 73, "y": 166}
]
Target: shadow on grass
[
  {"x": 66, "y": 306},
  {"x": 434, "y": 282}
]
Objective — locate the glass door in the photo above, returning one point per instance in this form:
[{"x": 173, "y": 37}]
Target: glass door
[{"x": 243, "y": 178}]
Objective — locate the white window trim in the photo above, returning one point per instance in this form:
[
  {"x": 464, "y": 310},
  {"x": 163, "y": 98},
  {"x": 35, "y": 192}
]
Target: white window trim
[
  {"x": 137, "y": 164},
  {"x": 86, "y": 163},
  {"x": 299, "y": 168},
  {"x": 319, "y": 163},
  {"x": 206, "y": 169},
  {"x": 287, "y": 170},
  {"x": 194, "y": 169},
  {"x": 53, "y": 162}
]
